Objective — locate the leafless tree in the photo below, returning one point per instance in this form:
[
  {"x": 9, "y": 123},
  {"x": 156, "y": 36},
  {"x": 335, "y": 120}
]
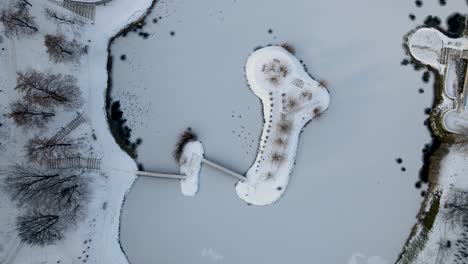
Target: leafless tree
[
  {"x": 40, "y": 149},
  {"x": 22, "y": 4},
  {"x": 60, "y": 18},
  {"x": 46, "y": 89},
  {"x": 456, "y": 207},
  {"x": 39, "y": 228},
  {"x": 28, "y": 115},
  {"x": 17, "y": 21},
  {"x": 58, "y": 191},
  {"x": 62, "y": 50}
]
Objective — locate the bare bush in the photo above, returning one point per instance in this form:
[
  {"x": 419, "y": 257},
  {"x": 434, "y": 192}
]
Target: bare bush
[
  {"x": 17, "y": 21},
  {"x": 37, "y": 189},
  {"x": 47, "y": 89},
  {"x": 28, "y": 115},
  {"x": 39, "y": 228},
  {"x": 42, "y": 149},
  {"x": 62, "y": 50},
  {"x": 186, "y": 137},
  {"x": 285, "y": 126},
  {"x": 275, "y": 71},
  {"x": 277, "y": 157}
]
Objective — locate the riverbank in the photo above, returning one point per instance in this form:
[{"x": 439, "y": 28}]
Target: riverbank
[{"x": 427, "y": 232}]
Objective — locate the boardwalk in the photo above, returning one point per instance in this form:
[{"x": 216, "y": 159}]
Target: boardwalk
[
  {"x": 75, "y": 163},
  {"x": 181, "y": 176},
  {"x": 161, "y": 175},
  {"x": 84, "y": 9},
  {"x": 68, "y": 128}
]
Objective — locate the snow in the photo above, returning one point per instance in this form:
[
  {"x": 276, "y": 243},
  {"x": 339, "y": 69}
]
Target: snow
[
  {"x": 96, "y": 238},
  {"x": 277, "y": 77},
  {"x": 190, "y": 166},
  {"x": 432, "y": 48},
  {"x": 453, "y": 175}
]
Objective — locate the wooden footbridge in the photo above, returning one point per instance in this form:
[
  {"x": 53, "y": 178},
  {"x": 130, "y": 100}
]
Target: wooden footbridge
[{"x": 182, "y": 176}]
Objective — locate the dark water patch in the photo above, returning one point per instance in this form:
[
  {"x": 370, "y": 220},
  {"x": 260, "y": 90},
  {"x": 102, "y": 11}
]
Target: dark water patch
[
  {"x": 123, "y": 57},
  {"x": 412, "y": 17},
  {"x": 172, "y": 33},
  {"x": 442, "y": 2},
  {"x": 421, "y": 90},
  {"x": 399, "y": 160},
  {"x": 403, "y": 169},
  {"x": 418, "y": 3}
]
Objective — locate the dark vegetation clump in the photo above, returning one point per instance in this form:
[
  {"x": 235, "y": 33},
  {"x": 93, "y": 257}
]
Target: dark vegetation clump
[
  {"x": 455, "y": 25},
  {"x": 186, "y": 137},
  {"x": 121, "y": 131},
  {"x": 426, "y": 76},
  {"x": 417, "y": 185},
  {"x": 270, "y": 31},
  {"x": 123, "y": 57},
  {"x": 172, "y": 33},
  {"x": 442, "y": 2},
  {"x": 289, "y": 48},
  {"x": 412, "y": 17},
  {"x": 418, "y": 3},
  {"x": 432, "y": 21},
  {"x": 399, "y": 160}
]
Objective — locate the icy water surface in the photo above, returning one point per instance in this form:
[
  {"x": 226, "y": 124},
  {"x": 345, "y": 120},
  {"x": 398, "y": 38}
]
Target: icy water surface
[{"x": 347, "y": 194}]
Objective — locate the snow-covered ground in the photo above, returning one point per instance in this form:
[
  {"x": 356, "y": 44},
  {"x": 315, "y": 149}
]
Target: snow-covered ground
[
  {"x": 448, "y": 57},
  {"x": 190, "y": 166},
  {"x": 96, "y": 238},
  {"x": 290, "y": 98}
]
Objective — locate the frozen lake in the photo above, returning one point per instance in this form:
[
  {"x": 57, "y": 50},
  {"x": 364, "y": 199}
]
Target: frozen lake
[{"x": 347, "y": 195}]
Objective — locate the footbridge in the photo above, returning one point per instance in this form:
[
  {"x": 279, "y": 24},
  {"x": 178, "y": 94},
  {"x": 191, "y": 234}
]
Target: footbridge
[{"x": 182, "y": 176}]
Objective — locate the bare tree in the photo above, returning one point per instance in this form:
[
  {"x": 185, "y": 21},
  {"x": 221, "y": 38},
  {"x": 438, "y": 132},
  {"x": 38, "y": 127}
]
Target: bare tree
[
  {"x": 39, "y": 228},
  {"x": 47, "y": 89},
  {"x": 456, "y": 207},
  {"x": 42, "y": 149},
  {"x": 22, "y": 4},
  {"x": 61, "y": 19},
  {"x": 62, "y": 50},
  {"x": 33, "y": 188},
  {"x": 28, "y": 115},
  {"x": 17, "y": 21}
]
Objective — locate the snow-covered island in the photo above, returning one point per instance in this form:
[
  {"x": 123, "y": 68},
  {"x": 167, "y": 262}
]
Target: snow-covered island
[{"x": 290, "y": 98}]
